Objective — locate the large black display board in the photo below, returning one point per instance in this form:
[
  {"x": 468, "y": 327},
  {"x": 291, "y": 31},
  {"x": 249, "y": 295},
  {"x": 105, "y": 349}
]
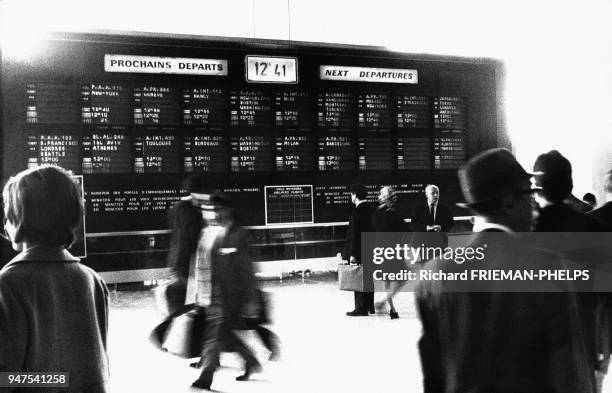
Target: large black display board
[{"x": 137, "y": 131}]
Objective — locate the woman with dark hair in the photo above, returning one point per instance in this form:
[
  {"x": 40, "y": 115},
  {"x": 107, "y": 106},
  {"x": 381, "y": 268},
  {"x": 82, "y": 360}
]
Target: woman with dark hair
[
  {"x": 387, "y": 219},
  {"x": 53, "y": 310}
]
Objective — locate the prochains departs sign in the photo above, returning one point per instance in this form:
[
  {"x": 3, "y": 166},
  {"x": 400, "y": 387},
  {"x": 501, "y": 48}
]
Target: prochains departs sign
[
  {"x": 164, "y": 65},
  {"x": 368, "y": 74}
]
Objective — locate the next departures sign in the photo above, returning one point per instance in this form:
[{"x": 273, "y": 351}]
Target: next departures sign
[{"x": 368, "y": 74}]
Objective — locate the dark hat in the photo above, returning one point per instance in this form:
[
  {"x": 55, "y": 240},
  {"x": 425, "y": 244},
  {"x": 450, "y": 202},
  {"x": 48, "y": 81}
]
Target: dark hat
[
  {"x": 220, "y": 200},
  {"x": 555, "y": 175},
  {"x": 489, "y": 175}
]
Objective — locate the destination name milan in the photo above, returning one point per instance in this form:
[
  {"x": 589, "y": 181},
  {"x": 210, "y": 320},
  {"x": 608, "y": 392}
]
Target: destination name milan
[{"x": 485, "y": 275}]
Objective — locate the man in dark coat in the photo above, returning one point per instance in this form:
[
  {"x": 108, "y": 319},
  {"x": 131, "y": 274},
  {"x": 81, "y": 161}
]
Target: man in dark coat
[
  {"x": 225, "y": 287},
  {"x": 554, "y": 176},
  {"x": 482, "y": 342},
  {"x": 432, "y": 217},
  {"x": 360, "y": 221}
]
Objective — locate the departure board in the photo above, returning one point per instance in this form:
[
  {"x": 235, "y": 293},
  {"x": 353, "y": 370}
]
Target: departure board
[
  {"x": 449, "y": 112},
  {"x": 251, "y": 153},
  {"x": 414, "y": 111},
  {"x": 105, "y": 104},
  {"x": 375, "y": 153},
  {"x": 449, "y": 149},
  {"x": 206, "y": 107},
  {"x": 374, "y": 111},
  {"x": 53, "y": 103},
  {"x": 335, "y": 153},
  {"x": 157, "y": 154},
  {"x": 107, "y": 152},
  {"x": 288, "y": 204},
  {"x": 250, "y": 108},
  {"x": 170, "y": 107},
  {"x": 294, "y": 153},
  {"x": 206, "y": 153},
  {"x": 156, "y": 105},
  {"x": 293, "y": 109},
  {"x": 335, "y": 110},
  {"x": 413, "y": 153},
  {"x": 60, "y": 150}
]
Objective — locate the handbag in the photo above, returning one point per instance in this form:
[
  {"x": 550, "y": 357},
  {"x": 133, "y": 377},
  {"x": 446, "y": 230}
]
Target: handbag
[
  {"x": 350, "y": 277},
  {"x": 261, "y": 313},
  {"x": 181, "y": 333}
]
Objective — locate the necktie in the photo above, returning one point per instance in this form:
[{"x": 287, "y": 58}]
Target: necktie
[{"x": 431, "y": 212}]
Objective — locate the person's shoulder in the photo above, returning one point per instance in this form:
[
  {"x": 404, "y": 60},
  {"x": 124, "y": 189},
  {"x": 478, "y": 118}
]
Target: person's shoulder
[
  {"x": 590, "y": 222},
  {"x": 16, "y": 271},
  {"x": 419, "y": 207},
  {"x": 90, "y": 273},
  {"x": 602, "y": 212},
  {"x": 444, "y": 207},
  {"x": 364, "y": 208}
]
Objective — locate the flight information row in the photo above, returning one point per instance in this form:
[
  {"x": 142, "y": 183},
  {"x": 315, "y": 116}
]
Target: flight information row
[
  {"x": 101, "y": 153},
  {"x": 113, "y": 104}
]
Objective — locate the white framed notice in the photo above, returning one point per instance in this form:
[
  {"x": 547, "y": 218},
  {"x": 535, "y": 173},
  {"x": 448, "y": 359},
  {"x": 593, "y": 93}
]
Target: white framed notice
[{"x": 290, "y": 204}]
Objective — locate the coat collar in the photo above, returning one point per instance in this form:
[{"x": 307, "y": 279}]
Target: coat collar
[{"x": 44, "y": 253}]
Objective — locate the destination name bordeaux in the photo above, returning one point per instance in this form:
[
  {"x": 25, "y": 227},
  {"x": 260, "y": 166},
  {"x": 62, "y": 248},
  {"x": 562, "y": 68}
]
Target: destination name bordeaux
[{"x": 459, "y": 255}]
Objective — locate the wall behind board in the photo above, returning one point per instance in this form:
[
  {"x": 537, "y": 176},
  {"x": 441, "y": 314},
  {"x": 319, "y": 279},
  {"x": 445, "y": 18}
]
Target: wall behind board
[
  {"x": 556, "y": 52},
  {"x": 558, "y": 62}
]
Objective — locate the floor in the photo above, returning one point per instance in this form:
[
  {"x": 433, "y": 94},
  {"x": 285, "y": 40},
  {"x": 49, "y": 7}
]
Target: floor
[{"x": 322, "y": 349}]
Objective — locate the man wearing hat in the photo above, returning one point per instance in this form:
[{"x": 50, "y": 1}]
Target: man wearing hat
[
  {"x": 493, "y": 341},
  {"x": 224, "y": 285}
]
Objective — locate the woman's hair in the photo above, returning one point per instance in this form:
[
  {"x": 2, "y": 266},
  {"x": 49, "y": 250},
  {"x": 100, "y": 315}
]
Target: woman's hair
[{"x": 45, "y": 206}]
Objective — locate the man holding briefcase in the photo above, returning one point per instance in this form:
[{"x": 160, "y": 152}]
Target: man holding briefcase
[{"x": 360, "y": 221}]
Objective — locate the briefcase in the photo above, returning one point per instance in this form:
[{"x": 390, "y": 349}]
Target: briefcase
[
  {"x": 181, "y": 333},
  {"x": 350, "y": 277}
]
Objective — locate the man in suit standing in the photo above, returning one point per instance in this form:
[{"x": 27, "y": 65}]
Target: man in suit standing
[
  {"x": 604, "y": 213},
  {"x": 433, "y": 217},
  {"x": 360, "y": 221},
  {"x": 493, "y": 341}
]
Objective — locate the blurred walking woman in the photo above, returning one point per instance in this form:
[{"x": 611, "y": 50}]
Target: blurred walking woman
[{"x": 53, "y": 310}]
